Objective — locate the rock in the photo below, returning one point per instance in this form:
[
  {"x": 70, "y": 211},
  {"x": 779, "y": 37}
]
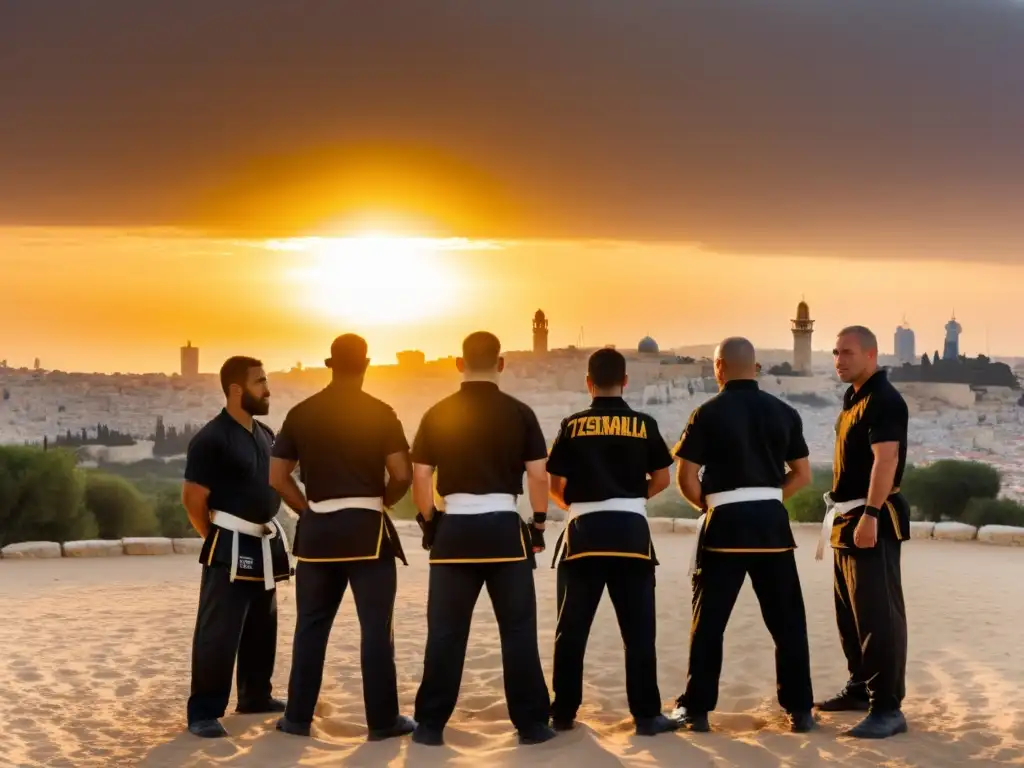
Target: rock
[
  {"x": 1007, "y": 535},
  {"x": 187, "y": 546},
  {"x": 94, "y": 548},
  {"x": 954, "y": 531},
  {"x": 921, "y": 529},
  {"x": 31, "y": 550},
  {"x": 684, "y": 525},
  {"x": 151, "y": 545},
  {"x": 660, "y": 524}
]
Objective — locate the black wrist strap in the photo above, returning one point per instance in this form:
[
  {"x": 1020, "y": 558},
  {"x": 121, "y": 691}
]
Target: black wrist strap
[
  {"x": 540, "y": 517},
  {"x": 872, "y": 511}
]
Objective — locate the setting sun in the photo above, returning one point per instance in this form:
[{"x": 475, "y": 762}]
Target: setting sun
[{"x": 374, "y": 280}]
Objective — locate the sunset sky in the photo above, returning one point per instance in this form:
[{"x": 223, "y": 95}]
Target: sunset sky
[{"x": 684, "y": 169}]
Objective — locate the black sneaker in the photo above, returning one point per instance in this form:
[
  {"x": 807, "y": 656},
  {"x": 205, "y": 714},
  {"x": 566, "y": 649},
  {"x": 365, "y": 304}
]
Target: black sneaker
[
  {"x": 802, "y": 722},
  {"x": 263, "y": 708},
  {"x": 694, "y": 721},
  {"x": 207, "y": 729},
  {"x": 879, "y": 725},
  {"x": 427, "y": 736},
  {"x": 401, "y": 727},
  {"x": 850, "y": 699},
  {"x": 295, "y": 729},
  {"x": 536, "y": 734},
  {"x": 652, "y": 726}
]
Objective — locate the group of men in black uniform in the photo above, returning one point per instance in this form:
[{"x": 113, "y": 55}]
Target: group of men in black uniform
[{"x": 741, "y": 454}]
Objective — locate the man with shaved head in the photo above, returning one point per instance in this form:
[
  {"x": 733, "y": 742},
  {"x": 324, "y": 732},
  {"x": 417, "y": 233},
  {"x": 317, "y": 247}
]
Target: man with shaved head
[
  {"x": 867, "y": 519},
  {"x": 744, "y": 440}
]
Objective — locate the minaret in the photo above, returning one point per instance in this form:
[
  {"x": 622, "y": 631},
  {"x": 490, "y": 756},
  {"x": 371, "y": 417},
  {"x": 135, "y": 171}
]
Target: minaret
[
  {"x": 803, "y": 328},
  {"x": 540, "y": 333}
]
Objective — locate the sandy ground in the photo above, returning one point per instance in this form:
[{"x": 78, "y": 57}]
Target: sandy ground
[{"x": 94, "y": 671}]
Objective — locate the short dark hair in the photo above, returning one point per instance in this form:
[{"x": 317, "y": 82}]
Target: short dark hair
[
  {"x": 480, "y": 351},
  {"x": 865, "y": 337},
  {"x": 348, "y": 354},
  {"x": 607, "y": 368},
  {"x": 236, "y": 371}
]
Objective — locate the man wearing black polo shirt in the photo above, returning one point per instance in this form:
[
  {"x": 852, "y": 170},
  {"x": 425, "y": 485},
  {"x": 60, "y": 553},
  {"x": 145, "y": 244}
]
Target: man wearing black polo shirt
[
  {"x": 343, "y": 440},
  {"x": 605, "y": 463},
  {"x": 867, "y": 519},
  {"x": 744, "y": 439},
  {"x": 231, "y": 505},
  {"x": 480, "y": 440}
]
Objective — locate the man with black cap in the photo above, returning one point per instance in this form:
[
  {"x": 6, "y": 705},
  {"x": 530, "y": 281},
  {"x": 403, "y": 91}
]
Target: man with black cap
[
  {"x": 867, "y": 520},
  {"x": 605, "y": 463},
  {"x": 231, "y": 504},
  {"x": 744, "y": 439},
  {"x": 480, "y": 440},
  {"x": 343, "y": 441}
]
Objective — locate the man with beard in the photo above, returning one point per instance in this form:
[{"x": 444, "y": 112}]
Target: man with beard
[
  {"x": 867, "y": 521},
  {"x": 744, "y": 439},
  {"x": 231, "y": 505},
  {"x": 480, "y": 440},
  {"x": 343, "y": 441}
]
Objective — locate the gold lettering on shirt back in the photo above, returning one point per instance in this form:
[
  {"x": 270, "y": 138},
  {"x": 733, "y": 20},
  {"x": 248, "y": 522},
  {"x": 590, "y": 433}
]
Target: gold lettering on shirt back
[{"x": 597, "y": 426}]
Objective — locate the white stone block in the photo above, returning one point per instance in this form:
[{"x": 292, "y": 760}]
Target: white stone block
[
  {"x": 31, "y": 550},
  {"x": 187, "y": 546},
  {"x": 954, "y": 532},
  {"x": 684, "y": 525},
  {"x": 660, "y": 524},
  {"x": 94, "y": 548},
  {"x": 148, "y": 545},
  {"x": 1007, "y": 535},
  {"x": 921, "y": 529}
]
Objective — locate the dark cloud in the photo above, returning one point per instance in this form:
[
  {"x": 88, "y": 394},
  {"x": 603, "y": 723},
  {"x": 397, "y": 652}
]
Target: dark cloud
[{"x": 872, "y": 128}]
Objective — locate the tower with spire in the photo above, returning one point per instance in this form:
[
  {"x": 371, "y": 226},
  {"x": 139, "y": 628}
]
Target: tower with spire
[
  {"x": 951, "y": 346},
  {"x": 803, "y": 329}
]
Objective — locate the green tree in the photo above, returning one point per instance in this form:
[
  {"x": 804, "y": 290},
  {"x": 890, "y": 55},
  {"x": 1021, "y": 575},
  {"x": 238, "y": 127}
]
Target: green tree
[
  {"x": 942, "y": 490},
  {"x": 120, "y": 510},
  {"x": 41, "y": 496},
  {"x": 807, "y": 504},
  {"x": 170, "y": 513},
  {"x": 981, "y": 512}
]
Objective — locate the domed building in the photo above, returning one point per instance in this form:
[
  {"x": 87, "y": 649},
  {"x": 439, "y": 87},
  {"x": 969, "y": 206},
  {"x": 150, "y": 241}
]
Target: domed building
[{"x": 648, "y": 346}]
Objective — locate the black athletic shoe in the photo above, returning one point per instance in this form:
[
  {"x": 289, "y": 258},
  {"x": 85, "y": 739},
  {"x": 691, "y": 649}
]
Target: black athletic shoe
[
  {"x": 295, "y": 729},
  {"x": 802, "y": 722},
  {"x": 402, "y": 726},
  {"x": 562, "y": 725},
  {"x": 207, "y": 729},
  {"x": 427, "y": 736},
  {"x": 850, "y": 699},
  {"x": 264, "y": 708},
  {"x": 879, "y": 725},
  {"x": 536, "y": 734},
  {"x": 652, "y": 726},
  {"x": 694, "y": 721}
]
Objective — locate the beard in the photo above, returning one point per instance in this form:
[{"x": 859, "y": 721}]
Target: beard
[{"x": 255, "y": 406}]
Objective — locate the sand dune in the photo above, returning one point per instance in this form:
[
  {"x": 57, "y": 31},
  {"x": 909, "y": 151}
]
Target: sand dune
[{"x": 94, "y": 672}]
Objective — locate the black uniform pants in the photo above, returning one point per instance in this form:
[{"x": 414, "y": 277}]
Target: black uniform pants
[
  {"x": 631, "y": 588},
  {"x": 319, "y": 588},
  {"x": 873, "y": 621},
  {"x": 453, "y": 592},
  {"x": 777, "y": 586},
  {"x": 235, "y": 619}
]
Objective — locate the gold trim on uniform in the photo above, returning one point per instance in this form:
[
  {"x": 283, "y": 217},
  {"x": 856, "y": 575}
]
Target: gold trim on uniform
[
  {"x": 374, "y": 556},
  {"x": 895, "y": 519},
  {"x": 847, "y": 419},
  {"x": 213, "y": 547},
  {"x": 474, "y": 560}
]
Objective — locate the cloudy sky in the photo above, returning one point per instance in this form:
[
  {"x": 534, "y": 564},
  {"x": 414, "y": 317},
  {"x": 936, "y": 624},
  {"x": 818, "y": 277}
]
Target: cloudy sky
[{"x": 795, "y": 128}]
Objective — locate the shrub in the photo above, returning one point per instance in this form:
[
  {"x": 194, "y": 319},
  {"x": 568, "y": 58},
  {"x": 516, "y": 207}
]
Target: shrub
[
  {"x": 41, "y": 497},
  {"x": 981, "y": 512},
  {"x": 807, "y": 505},
  {"x": 120, "y": 510},
  {"x": 669, "y": 503},
  {"x": 941, "y": 491},
  {"x": 405, "y": 509},
  {"x": 170, "y": 513}
]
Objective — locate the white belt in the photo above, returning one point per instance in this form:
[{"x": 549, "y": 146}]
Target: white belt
[
  {"x": 265, "y": 532},
  {"x": 729, "y": 497},
  {"x": 637, "y": 506},
  {"x": 479, "y": 504},
  {"x": 376, "y": 503},
  {"x": 833, "y": 508}
]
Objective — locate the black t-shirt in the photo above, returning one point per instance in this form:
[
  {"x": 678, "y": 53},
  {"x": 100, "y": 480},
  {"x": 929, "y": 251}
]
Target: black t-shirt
[
  {"x": 607, "y": 452},
  {"x": 479, "y": 440},
  {"x": 743, "y": 437},
  {"x": 234, "y": 464},
  {"x": 877, "y": 413},
  {"x": 341, "y": 437}
]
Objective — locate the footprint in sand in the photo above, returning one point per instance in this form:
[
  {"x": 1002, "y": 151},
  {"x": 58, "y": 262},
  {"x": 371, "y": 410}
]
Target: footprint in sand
[
  {"x": 28, "y": 676},
  {"x": 106, "y": 674},
  {"x": 126, "y": 689}
]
